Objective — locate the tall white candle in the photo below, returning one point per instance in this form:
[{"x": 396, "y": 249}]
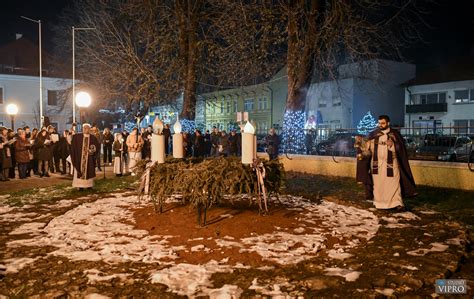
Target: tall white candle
[
  {"x": 158, "y": 148},
  {"x": 178, "y": 149},
  {"x": 249, "y": 144},
  {"x": 248, "y": 148}
]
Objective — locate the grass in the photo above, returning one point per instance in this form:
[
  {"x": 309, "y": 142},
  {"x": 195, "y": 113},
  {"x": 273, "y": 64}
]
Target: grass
[
  {"x": 66, "y": 191},
  {"x": 458, "y": 204}
]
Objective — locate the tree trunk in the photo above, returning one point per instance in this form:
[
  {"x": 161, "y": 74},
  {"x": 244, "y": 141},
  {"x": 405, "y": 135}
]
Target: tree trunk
[
  {"x": 303, "y": 23},
  {"x": 187, "y": 14}
]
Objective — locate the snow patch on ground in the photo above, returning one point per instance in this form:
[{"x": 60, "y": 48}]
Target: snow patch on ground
[
  {"x": 96, "y": 276},
  {"x": 102, "y": 231},
  {"x": 349, "y": 275},
  {"x": 194, "y": 280},
  {"x": 33, "y": 228},
  {"x": 435, "y": 247}
]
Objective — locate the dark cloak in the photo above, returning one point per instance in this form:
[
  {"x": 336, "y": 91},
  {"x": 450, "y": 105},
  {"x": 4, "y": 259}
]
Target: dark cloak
[
  {"x": 407, "y": 182},
  {"x": 76, "y": 149}
]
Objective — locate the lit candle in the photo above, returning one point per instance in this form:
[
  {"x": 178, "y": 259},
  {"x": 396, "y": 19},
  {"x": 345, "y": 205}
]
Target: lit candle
[
  {"x": 249, "y": 144},
  {"x": 158, "y": 142},
  {"x": 178, "y": 148}
]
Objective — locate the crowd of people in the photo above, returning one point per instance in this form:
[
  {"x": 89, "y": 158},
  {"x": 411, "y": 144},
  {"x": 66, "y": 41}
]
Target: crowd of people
[{"x": 43, "y": 151}]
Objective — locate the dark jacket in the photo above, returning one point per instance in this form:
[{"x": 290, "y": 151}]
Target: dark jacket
[
  {"x": 22, "y": 153},
  {"x": 44, "y": 150},
  {"x": 272, "y": 142}
]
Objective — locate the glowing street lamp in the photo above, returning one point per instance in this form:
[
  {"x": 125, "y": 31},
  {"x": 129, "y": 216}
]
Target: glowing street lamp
[
  {"x": 83, "y": 100},
  {"x": 12, "y": 110}
]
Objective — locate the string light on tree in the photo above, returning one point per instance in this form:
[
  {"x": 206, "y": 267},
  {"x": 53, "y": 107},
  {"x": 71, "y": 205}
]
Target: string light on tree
[
  {"x": 366, "y": 124},
  {"x": 293, "y": 137},
  {"x": 188, "y": 125}
]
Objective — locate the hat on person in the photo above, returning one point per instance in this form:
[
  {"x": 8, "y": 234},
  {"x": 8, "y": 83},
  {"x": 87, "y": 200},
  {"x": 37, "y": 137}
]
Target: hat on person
[{"x": 86, "y": 125}]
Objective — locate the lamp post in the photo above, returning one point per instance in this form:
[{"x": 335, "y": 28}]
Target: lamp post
[
  {"x": 74, "y": 71},
  {"x": 12, "y": 110},
  {"x": 40, "y": 69},
  {"x": 83, "y": 100}
]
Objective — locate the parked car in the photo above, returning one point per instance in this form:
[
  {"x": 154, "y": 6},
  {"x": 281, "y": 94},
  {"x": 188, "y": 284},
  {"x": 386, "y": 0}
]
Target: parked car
[
  {"x": 463, "y": 149},
  {"x": 339, "y": 144},
  {"x": 444, "y": 148}
]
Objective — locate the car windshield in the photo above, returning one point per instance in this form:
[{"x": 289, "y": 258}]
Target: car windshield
[{"x": 441, "y": 141}]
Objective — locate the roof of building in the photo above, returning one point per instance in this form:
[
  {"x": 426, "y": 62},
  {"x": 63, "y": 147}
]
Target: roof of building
[
  {"x": 21, "y": 57},
  {"x": 461, "y": 69}
]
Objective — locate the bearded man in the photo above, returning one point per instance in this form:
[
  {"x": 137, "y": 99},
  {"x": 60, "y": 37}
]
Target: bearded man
[
  {"x": 391, "y": 172},
  {"x": 84, "y": 153}
]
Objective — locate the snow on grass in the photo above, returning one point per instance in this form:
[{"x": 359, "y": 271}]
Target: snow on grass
[
  {"x": 96, "y": 232},
  {"x": 435, "y": 247},
  {"x": 385, "y": 292},
  {"x": 95, "y": 276},
  {"x": 33, "y": 228},
  {"x": 17, "y": 216},
  {"x": 349, "y": 275},
  {"x": 273, "y": 290},
  {"x": 338, "y": 254},
  {"x": 103, "y": 231},
  {"x": 14, "y": 265},
  {"x": 6, "y": 209},
  {"x": 194, "y": 280}
]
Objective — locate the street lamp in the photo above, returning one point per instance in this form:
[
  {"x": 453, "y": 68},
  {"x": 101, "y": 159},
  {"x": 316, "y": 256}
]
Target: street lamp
[
  {"x": 74, "y": 70},
  {"x": 12, "y": 110},
  {"x": 40, "y": 69},
  {"x": 83, "y": 100}
]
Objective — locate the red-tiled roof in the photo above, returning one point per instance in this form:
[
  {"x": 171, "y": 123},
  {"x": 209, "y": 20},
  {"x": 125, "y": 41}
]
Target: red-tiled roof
[
  {"x": 20, "y": 57},
  {"x": 460, "y": 70}
]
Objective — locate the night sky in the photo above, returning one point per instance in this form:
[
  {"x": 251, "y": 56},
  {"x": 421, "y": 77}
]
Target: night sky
[{"x": 451, "y": 34}]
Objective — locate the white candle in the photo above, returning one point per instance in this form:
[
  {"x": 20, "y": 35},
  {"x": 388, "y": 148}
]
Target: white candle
[
  {"x": 249, "y": 144},
  {"x": 178, "y": 149},
  {"x": 158, "y": 148},
  {"x": 248, "y": 148}
]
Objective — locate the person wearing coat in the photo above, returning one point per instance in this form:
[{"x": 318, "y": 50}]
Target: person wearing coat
[
  {"x": 272, "y": 142},
  {"x": 22, "y": 155},
  {"x": 223, "y": 145},
  {"x": 5, "y": 154},
  {"x": 107, "y": 141},
  {"x": 199, "y": 146},
  {"x": 135, "y": 144},
  {"x": 234, "y": 143},
  {"x": 43, "y": 145},
  {"x": 119, "y": 147}
]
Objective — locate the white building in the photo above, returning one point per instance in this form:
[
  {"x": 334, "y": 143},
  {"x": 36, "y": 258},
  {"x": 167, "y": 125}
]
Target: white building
[
  {"x": 361, "y": 87},
  {"x": 20, "y": 85},
  {"x": 442, "y": 98}
]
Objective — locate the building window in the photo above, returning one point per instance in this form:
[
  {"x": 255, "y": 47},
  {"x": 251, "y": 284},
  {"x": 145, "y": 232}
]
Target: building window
[
  {"x": 228, "y": 106},
  {"x": 472, "y": 95},
  {"x": 262, "y": 103},
  {"x": 461, "y": 96},
  {"x": 1, "y": 95},
  {"x": 248, "y": 105},
  {"x": 428, "y": 98},
  {"x": 52, "y": 97},
  {"x": 322, "y": 104},
  {"x": 222, "y": 106},
  {"x": 235, "y": 106},
  {"x": 461, "y": 126}
]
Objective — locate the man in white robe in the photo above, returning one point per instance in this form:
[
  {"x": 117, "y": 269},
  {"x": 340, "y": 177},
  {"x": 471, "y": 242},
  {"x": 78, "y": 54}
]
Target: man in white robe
[
  {"x": 84, "y": 151},
  {"x": 391, "y": 172}
]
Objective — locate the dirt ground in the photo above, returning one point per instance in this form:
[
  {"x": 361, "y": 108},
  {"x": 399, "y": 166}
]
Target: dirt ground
[{"x": 403, "y": 259}]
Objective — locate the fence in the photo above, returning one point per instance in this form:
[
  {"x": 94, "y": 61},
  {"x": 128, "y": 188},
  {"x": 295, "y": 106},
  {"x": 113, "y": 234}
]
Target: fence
[{"x": 340, "y": 142}]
